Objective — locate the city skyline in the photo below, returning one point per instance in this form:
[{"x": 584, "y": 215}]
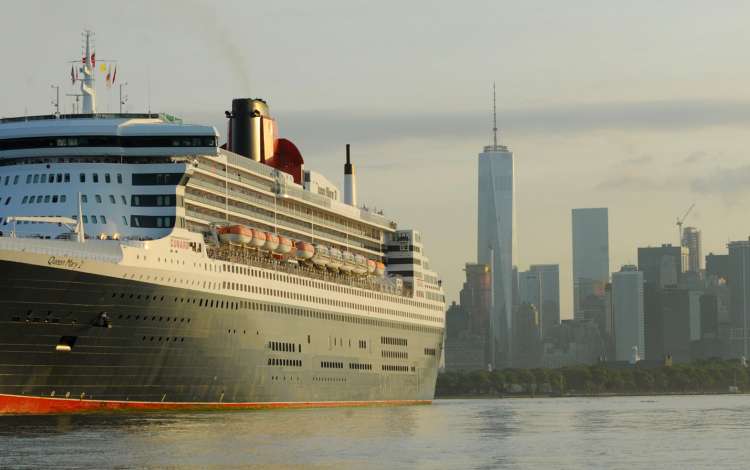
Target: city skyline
[{"x": 626, "y": 118}]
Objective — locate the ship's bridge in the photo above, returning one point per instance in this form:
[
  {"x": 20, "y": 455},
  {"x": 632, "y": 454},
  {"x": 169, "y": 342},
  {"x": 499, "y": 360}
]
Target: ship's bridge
[{"x": 89, "y": 135}]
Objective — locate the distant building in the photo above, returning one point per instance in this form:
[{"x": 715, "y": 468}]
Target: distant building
[
  {"x": 527, "y": 337},
  {"x": 718, "y": 266},
  {"x": 691, "y": 239},
  {"x": 573, "y": 342},
  {"x": 540, "y": 287},
  {"x": 467, "y": 344},
  {"x": 627, "y": 306},
  {"x": 663, "y": 266},
  {"x": 674, "y": 321},
  {"x": 739, "y": 289},
  {"x": 495, "y": 237},
  {"x": 590, "y": 227}
]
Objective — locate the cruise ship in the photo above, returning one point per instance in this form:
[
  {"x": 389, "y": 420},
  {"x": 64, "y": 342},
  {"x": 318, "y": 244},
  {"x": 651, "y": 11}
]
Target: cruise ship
[{"x": 145, "y": 264}]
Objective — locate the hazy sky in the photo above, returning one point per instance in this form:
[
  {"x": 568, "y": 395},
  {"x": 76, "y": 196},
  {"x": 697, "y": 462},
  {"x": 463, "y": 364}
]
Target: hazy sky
[{"x": 640, "y": 106}]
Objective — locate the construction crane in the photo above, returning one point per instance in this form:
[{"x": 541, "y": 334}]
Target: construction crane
[{"x": 680, "y": 221}]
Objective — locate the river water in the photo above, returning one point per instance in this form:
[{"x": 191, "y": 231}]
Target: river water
[{"x": 554, "y": 433}]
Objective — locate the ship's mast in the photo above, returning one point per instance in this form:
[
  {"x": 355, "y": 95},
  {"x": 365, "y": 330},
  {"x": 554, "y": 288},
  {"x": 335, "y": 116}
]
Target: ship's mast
[{"x": 87, "y": 82}]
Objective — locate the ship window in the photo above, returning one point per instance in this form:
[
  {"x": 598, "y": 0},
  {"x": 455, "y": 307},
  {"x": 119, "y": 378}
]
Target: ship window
[
  {"x": 46, "y": 198},
  {"x": 54, "y": 199},
  {"x": 25, "y": 198},
  {"x": 85, "y": 219},
  {"x": 124, "y": 220},
  {"x": 7, "y": 179},
  {"x": 93, "y": 219},
  {"x": 59, "y": 177},
  {"x": 51, "y": 178},
  {"x": 84, "y": 198},
  {"x": 124, "y": 200},
  {"x": 112, "y": 198},
  {"x": 36, "y": 179},
  {"x": 98, "y": 197},
  {"x": 67, "y": 177},
  {"x": 95, "y": 177},
  {"x": 107, "y": 178},
  {"x": 82, "y": 177},
  {"x": 28, "y": 179},
  {"x": 7, "y": 200},
  {"x": 104, "y": 219},
  {"x": 15, "y": 179},
  {"x": 63, "y": 198},
  {"x": 119, "y": 178}
]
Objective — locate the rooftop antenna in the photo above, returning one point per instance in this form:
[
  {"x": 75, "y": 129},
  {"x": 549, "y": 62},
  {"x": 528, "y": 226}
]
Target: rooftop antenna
[{"x": 494, "y": 118}]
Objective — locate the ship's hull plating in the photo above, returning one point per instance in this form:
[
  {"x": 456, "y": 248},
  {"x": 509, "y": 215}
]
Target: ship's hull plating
[{"x": 163, "y": 347}]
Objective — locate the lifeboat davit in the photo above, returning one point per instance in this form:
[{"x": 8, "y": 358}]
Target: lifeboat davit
[
  {"x": 322, "y": 256},
  {"x": 259, "y": 238},
  {"x": 305, "y": 251},
  {"x": 285, "y": 245},
  {"x": 370, "y": 266},
  {"x": 348, "y": 265},
  {"x": 238, "y": 234},
  {"x": 337, "y": 259},
  {"x": 379, "y": 269},
  {"x": 272, "y": 241},
  {"x": 360, "y": 265}
]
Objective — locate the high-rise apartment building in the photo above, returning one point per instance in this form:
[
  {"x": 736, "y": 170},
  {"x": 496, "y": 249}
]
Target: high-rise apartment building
[
  {"x": 590, "y": 255},
  {"x": 739, "y": 289},
  {"x": 627, "y": 306},
  {"x": 495, "y": 240},
  {"x": 691, "y": 239}
]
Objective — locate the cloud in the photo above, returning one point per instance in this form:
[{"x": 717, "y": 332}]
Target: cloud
[
  {"x": 637, "y": 161},
  {"x": 631, "y": 183},
  {"x": 695, "y": 157},
  {"x": 323, "y": 130},
  {"x": 723, "y": 181}
]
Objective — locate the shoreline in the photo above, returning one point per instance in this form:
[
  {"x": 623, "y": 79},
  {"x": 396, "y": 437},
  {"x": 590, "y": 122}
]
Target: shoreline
[{"x": 585, "y": 395}]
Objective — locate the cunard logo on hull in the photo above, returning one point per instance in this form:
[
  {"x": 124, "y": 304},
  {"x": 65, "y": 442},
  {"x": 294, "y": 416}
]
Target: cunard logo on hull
[{"x": 64, "y": 262}]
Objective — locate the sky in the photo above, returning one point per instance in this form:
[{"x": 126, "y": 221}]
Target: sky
[{"x": 642, "y": 107}]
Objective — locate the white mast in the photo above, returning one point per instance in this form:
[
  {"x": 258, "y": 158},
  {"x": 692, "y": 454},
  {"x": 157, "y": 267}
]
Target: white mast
[{"x": 87, "y": 82}]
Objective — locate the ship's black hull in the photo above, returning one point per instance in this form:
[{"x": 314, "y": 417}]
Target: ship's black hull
[{"x": 134, "y": 341}]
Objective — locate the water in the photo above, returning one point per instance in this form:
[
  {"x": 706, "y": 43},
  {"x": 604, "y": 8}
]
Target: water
[{"x": 561, "y": 433}]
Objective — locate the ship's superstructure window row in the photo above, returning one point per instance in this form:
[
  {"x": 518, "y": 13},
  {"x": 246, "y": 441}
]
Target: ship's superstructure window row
[{"x": 106, "y": 141}]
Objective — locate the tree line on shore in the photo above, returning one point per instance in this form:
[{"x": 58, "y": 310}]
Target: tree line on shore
[{"x": 711, "y": 376}]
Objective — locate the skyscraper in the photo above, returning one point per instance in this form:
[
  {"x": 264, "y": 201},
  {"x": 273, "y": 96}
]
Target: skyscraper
[
  {"x": 627, "y": 305},
  {"x": 540, "y": 286},
  {"x": 495, "y": 239},
  {"x": 590, "y": 255},
  {"x": 662, "y": 266},
  {"x": 739, "y": 293},
  {"x": 691, "y": 239}
]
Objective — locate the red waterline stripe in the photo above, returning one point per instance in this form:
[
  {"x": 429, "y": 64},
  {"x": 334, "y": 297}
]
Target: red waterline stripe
[{"x": 19, "y": 404}]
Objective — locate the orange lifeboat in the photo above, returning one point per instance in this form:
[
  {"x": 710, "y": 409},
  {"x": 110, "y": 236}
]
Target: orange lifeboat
[
  {"x": 285, "y": 245},
  {"x": 379, "y": 269},
  {"x": 238, "y": 234},
  {"x": 272, "y": 241},
  {"x": 305, "y": 251},
  {"x": 259, "y": 238}
]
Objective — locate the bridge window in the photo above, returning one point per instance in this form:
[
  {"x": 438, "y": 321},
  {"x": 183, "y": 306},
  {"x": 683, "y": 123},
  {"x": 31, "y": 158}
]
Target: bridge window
[
  {"x": 82, "y": 177},
  {"x": 84, "y": 198},
  {"x": 98, "y": 197},
  {"x": 36, "y": 179},
  {"x": 112, "y": 198},
  {"x": 107, "y": 178},
  {"x": 119, "y": 178},
  {"x": 15, "y": 179},
  {"x": 95, "y": 177},
  {"x": 149, "y": 221}
]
